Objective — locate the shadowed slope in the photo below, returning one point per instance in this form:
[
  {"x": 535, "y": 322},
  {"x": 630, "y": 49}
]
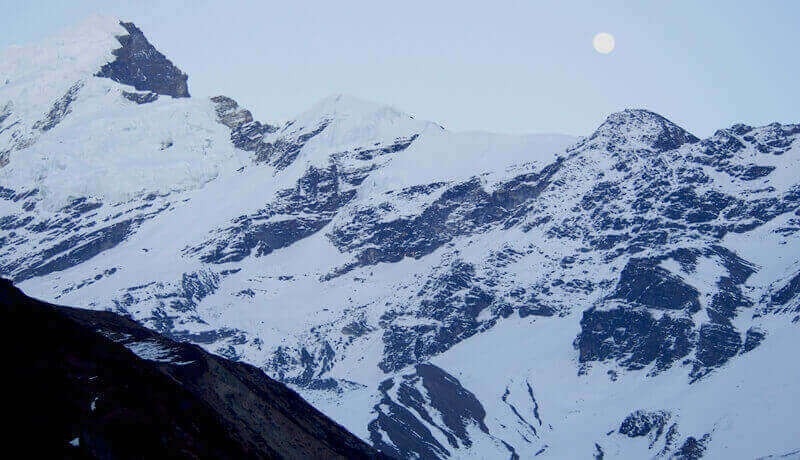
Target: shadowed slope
[{"x": 96, "y": 385}]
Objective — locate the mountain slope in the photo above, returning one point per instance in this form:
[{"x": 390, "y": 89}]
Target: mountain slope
[
  {"x": 113, "y": 389},
  {"x": 440, "y": 294}
]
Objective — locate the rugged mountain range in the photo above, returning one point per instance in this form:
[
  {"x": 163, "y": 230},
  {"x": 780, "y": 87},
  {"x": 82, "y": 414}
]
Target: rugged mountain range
[
  {"x": 90, "y": 384},
  {"x": 634, "y": 293}
]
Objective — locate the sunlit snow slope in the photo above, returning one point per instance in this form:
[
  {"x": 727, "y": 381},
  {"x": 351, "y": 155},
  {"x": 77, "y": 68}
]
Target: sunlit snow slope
[{"x": 631, "y": 294}]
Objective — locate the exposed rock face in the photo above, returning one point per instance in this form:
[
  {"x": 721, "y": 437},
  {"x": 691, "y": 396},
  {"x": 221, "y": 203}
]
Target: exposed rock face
[
  {"x": 661, "y": 429},
  {"x": 142, "y": 66},
  {"x": 787, "y": 297},
  {"x": 653, "y": 131},
  {"x": 693, "y": 448},
  {"x": 430, "y": 393},
  {"x": 634, "y": 337},
  {"x": 319, "y": 194},
  {"x": 642, "y": 423},
  {"x": 112, "y": 389},
  {"x": 229, "y": 113},
  {"x": 140, "y": 98},
  {"x": 61, "y": 109},
  {"x": 643, "y": 282},
  {"x": 460, "y": 210},
  {"x": 68, "y": 236}
]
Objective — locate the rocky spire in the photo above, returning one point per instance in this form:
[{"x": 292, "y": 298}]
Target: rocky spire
[{"x": 142, "y": 66}]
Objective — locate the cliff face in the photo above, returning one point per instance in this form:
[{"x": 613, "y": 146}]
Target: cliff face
[
  {"x": 86, "y": 384},
  {"x": 141, "y": 65}
]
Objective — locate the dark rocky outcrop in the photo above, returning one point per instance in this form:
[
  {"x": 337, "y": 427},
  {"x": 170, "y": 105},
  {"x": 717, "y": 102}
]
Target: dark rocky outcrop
[
  {"x": 88, "y": 384},
  {"x": 141, "y": 65},
  {"x": 140, "y": 98},
  {"x": 717, "y": 343},
  {"x": 61, "y": 108},
  {"x": 462, "y": 209},
  {"x": 786, "y": 293},
  {"x": 693, "y": 448},
  {"x": 650, "y": 128},
  {"x": 643, "y": 282},
  {"x": 314, "y": 201},
  {"x": 623, "y": 326},
  {"x": 246, "y": 134},
  {"x": 642, "y": 423},
  {"x": 398, "y": 430},
  {"x": 281, "y": 152},
  {"x": 449, "y": 308},
  {"x": 634, "y": 337},
  {"x": 81, "y": 242},
  {"x": 68, "y": 237},
  {"x": 753, "y": 338}
]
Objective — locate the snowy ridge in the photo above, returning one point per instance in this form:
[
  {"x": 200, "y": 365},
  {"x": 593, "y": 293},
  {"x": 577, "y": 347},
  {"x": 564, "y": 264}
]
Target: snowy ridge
[
  {"x": 495, "y": 295},
  {"x": 32, "y": 76}
]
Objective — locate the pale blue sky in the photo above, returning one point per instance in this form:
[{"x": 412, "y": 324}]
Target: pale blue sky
[{"x": 505, "y": 66}]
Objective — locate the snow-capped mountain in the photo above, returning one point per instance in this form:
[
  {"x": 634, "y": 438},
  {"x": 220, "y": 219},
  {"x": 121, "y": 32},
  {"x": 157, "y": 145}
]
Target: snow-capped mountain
[{"x": 634, "y": 293}]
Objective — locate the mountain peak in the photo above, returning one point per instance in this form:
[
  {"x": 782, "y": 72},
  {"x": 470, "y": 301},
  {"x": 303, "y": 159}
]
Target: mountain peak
[
  {"x": 353, "y": 121},
  {"x": 99, "y": 46},
  {"x": 640, "y": 128},
  {"x": 139, "y": 64},
  {"x": 65, "y": 56},
  {"x": 343, "y": 106}
]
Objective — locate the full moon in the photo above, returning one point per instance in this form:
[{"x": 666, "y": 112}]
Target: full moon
[{"x": 603, "y": 43}]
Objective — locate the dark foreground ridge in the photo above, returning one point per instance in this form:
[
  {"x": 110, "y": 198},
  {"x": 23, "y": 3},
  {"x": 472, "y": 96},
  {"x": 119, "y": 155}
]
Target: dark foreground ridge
[{"x": 89, "y": 384}]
